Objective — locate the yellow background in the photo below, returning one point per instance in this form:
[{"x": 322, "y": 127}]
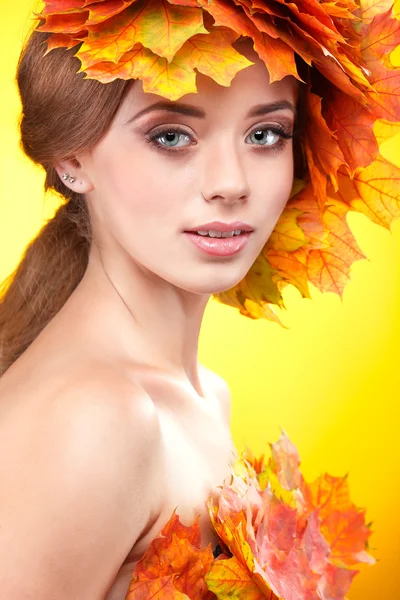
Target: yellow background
[{"x": 331, "y": 380}]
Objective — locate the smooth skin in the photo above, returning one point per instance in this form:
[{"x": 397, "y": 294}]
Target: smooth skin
[{"x": 108, "y": 422}]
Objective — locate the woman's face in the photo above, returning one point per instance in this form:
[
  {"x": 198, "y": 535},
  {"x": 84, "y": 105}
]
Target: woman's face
[{"x": 159, "y": 172}]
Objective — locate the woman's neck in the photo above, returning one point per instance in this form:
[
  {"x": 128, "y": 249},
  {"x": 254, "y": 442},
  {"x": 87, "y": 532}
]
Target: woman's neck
[{"x": 146, "y": 319}]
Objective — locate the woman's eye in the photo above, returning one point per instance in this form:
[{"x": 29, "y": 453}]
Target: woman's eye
[
  {"x": 265, "y": 137},
  {"x": 171, "y": 139}
]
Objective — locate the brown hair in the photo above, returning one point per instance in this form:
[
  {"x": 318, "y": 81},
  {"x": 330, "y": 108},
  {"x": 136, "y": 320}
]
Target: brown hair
[{"x": 62, "y": 114}]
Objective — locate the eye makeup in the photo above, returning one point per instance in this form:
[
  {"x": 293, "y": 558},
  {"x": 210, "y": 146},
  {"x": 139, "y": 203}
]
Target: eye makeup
[{"x": 284, "y": 133}]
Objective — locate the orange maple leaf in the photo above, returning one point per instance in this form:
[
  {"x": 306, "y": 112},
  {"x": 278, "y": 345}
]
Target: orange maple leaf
[
  {"x": 380, "y": 37},
  {"x": 329, "y": 268},
  {"x": 322, "y": 149},
  {"x": 174, "y": 565},
  {"x": 230, "y": 579},
  {"x": 373, "y": 191},
  {"x": 352, "y": 125},
  {"x": 65, "y": 23},
  {"x": 65, "y": 6},
  {"x": 287, "y": 235},
  {"x": 258, "y": 287},
  {"x": 157, "y": 74},
  {"x": 310, "y": 220},
  {"x": 60, "y": 40},
  {"x": 101, "y": 11},
  {"x": 342, "y": 523},
  {"x": 212, "y": 54},
  {"x": 156, "y": 24},
  {"x": 370, "y": 8},
  {"x": 292, "y": 270},
  {"x": 285, "y": 463},
  {"x": 288, "y": 538}
]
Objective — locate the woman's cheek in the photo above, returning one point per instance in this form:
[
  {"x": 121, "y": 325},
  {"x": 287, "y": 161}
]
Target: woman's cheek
[
  {"x": 280, "y": 194},
  {"x": 285, "y": 183}
]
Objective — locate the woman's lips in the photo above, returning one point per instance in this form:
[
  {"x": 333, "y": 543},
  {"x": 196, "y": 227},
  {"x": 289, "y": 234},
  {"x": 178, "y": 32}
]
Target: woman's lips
[{"x": 223, "y": 246}]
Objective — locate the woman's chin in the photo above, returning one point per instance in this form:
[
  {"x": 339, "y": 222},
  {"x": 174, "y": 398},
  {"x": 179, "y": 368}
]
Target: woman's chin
[{"x": 212, "y": 287}]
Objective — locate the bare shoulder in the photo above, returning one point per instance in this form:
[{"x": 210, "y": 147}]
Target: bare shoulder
[
  {"x": 90, "y": 409},
  {"x": 105, "y": 386},
  {"x": 114, "y": 406},
  {"x": 79, "y": 467},
  {"x": 221, "y": 389}
]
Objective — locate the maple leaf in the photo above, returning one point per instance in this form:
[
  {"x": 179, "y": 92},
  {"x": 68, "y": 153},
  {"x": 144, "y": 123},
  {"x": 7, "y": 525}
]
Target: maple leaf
[
  {"x": 292, "y": 265},
  {"x": 101, "y": 11},
  {"x": 347, "y": 535},
  {"x": 251, "y": 309},
  {"x": 287, "y": 234},
  {"x": 65, "y": 23},
  {"x": 290, "y": 269},
  {"x": 322, "y": 149},
  {"x": 174, "y": 565},
  {"x": 334, "y": 9},
  {"x": 335, "y": 582},
  {"x": 285, "y": 463},
  {"x": 157, "y": 589},
  {"x": 352, "y": 125},
  {"x": 95, "y": 12},
  {"x": 156, "y": 24},
  {"x": 157, "y": 74},
  {"x": 211, "y": 54},
  {"x": 342, "y": 524},
  {"x": 277, "y": 56},
  {"x": 60, "y": 40},
  {"x": 329, "y": 268},
  {"x": 380, "y": 37},
  {"x": 327, "y": 492},
  {"x": 256, "y": 463},
  {"x": 330, "y": 249},
  {"x": 370, "y": 8},
  {"x": 385, "y": 99},
  {"x": 374, "y": 191},
  {"x": 288, "y": 538},
  {"x": 258, "y": 287},
  {"x": 66, "y": 6},
  {"x": 230, "y": 579},
  {"x": 310, "y": 220},
  {"x": 385, "y": 131}
]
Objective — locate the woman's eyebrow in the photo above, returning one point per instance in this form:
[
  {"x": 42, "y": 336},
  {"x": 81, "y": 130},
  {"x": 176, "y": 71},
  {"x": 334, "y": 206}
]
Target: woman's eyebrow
[{"x": 192, "y": 111}]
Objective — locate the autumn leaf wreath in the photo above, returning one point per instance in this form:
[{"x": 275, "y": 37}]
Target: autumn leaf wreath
[
  {"x": 340, "y": 52},
  {"x": 280, "y": 538}
]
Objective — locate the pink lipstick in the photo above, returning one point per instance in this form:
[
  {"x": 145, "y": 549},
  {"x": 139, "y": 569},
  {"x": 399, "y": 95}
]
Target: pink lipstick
[{"x": 220, "y": 239}]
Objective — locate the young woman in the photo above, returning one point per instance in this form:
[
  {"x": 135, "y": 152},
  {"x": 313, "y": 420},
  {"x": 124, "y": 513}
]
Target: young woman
[
  {"x": 107, "y": 416},
  {"x": 107, "y": 420}
]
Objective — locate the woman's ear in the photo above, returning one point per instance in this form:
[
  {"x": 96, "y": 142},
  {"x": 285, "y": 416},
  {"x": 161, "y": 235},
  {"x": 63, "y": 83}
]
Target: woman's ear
[{"x": 73, "y": 176}]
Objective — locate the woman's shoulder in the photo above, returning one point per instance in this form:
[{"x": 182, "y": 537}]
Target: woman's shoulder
[
  {"x": 91, "y": 391},
  {"x": 91, "y": 446}
]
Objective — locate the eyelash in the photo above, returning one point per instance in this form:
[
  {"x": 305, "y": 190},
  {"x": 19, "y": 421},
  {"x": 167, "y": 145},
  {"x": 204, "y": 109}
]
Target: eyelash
[{"x": 285, "y": 135}]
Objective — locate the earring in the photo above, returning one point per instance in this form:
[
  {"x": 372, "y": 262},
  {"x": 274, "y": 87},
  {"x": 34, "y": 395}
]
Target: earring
[{"x": 65, "y": 176}]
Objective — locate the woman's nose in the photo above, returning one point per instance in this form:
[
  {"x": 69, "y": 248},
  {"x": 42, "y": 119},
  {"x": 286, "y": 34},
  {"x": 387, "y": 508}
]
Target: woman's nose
[{"x": 225, "y": 177}]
